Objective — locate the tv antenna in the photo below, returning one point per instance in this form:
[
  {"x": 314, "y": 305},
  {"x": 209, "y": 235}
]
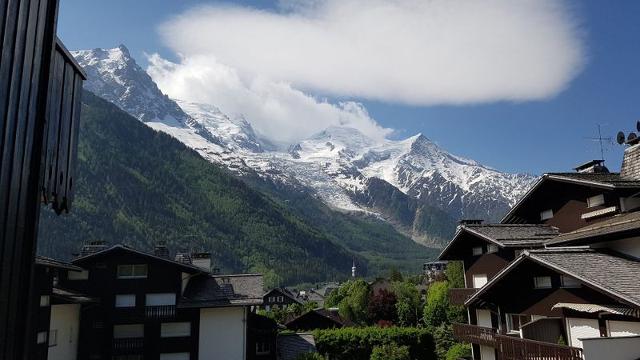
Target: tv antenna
[{"x": 601, "y": 141}]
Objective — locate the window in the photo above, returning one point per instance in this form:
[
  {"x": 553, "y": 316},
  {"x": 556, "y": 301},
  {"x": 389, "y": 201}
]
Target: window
[
  {"x": 160, "y": 299},
  {"x": 595, "y": 200},
  {"x": 515, "y": 321},
  {"x": 280, "y": 299},
  {"x": 42, "y": 337},
  {"x": 128, "y": 331},
  {"x": 45, "y": 300},
  {"x": 177, "y": 329},
  {"x": 542, "y": 282},
  {"x": 137, "y": 271},
  {"x": 53, "y": 338},
  {"x": 476, "y": 250},
  {"x": 175, "y": 356},
  {"x": 546, "y": 215},
  {"x": 78, "y": 275},
  {"x": 125, "y": 300},
  {"x": 479, "y": 280},
  {"x": 569, "y": 282},
  {"x": 263, "y": 348},
  {"x": 492, "y": 248}
]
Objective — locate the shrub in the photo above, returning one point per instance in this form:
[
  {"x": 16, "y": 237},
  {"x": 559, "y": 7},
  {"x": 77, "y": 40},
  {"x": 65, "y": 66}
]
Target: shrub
[
  {"x": 443, "y": 338},
  {"x": 437, "y": 306},
  {"x": 390, "y": 351},
  {"x": 458, "y": 351},
  {"x": 309, "y": 356},
  {"x": 358, "y": 343}
]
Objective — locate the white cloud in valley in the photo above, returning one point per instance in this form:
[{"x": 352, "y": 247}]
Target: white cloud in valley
[{"x": 265, "y": 64}]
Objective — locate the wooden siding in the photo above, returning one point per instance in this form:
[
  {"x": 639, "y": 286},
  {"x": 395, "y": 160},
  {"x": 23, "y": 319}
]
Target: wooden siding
[{"x": 27, "y": 29}]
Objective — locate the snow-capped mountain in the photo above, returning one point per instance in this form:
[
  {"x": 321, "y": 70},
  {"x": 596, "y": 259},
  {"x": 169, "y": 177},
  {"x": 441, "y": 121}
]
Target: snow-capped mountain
[{"x": 413, "y": 183}]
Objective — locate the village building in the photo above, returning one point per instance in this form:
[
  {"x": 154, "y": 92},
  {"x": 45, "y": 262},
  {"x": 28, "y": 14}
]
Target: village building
[{"x": 559, "y": 277}]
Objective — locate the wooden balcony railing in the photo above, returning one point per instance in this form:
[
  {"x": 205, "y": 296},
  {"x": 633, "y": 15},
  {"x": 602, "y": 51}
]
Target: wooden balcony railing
[
  {"x": 128, "y": 345},
  {"x": 475, "y": 334},
  {"x": 160, "y": 312},
  {"x": 457, "y": 296},
  {"x": 514, "y": 348}
]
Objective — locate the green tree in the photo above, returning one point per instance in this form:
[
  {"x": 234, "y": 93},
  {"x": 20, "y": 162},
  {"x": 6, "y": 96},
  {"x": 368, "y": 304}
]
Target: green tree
[
  {"x": 437, "y": 305},
  {"x": 455, "y": 274},
  {"x": 352, "y": 300},
  {"x": 408, "y": 306},
  {"x": 390, "y": 351},
  {"x": 458, "y": 351},
  {"x": 395, "y": 275}
]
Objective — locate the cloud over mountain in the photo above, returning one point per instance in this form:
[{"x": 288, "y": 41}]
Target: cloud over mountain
[{"x": 403, "y": 51}]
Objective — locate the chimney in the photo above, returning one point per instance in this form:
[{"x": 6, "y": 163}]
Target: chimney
[
  {"x": 470, "y": 221},
  {"x": 592, "y": 167},
  {"x": 201, "y": 260},
  {"x": 93, "y": 247},
  {"x": 161, "y": 250},
  {"x": 183, "y": 257},
  {"x": 631, "y": 162}
]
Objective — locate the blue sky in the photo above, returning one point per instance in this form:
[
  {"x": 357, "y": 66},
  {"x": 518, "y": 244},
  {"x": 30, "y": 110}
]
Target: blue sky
[{"x": 532, "y": 136}]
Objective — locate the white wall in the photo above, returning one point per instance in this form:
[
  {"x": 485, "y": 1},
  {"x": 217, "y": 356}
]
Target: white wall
[
  {"x": 580, "y": 329},
  {"x": 630, "y": 246},
  {"x": 623, "y": 328},
  {"x": 66, "y": 320},
  {"x": 622, "y": 348},
  {"x": 222, "y": 333},
  {"x": 484, "y": 319}
]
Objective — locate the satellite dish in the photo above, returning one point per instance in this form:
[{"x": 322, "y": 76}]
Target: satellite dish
[
  {"x": 620, "y": 138},
  {"x": 631, "y": 137}
]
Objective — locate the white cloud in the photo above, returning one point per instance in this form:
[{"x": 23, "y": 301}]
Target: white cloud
[
  {"x": 405, "y": 51},
  {"x": 275, "y": 109}
]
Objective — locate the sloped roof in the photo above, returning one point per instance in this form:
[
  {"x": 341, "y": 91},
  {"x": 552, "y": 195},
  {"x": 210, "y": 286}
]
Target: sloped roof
[
  {"x": 70, "y": 297},
  {"x": 290, "y": 346},
  {"x": 618, "y": 224},
  {"x": 119, "y": 247},
  {"x": 223, "y": 290},
  {"x": 602, "y": 180},
  {"x": 506, "y": 235},
  {"x": 614, "y": 275},
  {"x": 286, "y": 292},
  {"x": 49, "y": 262}
]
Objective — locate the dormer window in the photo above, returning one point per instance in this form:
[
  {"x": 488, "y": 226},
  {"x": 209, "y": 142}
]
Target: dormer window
[
  {"x": 542, "y": 282},
  {"x": 546, "y": 214},
  {"x": 476, "y": 250},
  {"x": 569, "y": 282},
  {"x": 594, "y": 201}
]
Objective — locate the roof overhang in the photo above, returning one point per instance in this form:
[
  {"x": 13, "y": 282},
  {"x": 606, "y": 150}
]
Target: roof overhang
[
  {"x": 462, "y": 229},
  {"x": 596, "y": 309},
  {"x": 556, "y": 178},
  {"x": 526, "y": 255}
]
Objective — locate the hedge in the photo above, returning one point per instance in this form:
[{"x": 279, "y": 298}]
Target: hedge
[{"x": 357, "y": 343}]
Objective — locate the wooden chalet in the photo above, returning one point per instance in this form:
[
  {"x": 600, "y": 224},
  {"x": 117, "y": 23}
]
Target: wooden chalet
[
  {"x": 559, "y": 277},
  {"x": 153, "y": 307},
  {"x": 317, "y": 319},
  {"x": 279, "y": 298}
]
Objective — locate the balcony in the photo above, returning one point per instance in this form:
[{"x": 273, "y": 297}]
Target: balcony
[
  {"x": 160, "y": 312},
  {"x": 475, "y": 334},
  {"x": 128, "y": 345},
  {"x": 457, "y": 296},
  {"x": 514, "y": 348}
]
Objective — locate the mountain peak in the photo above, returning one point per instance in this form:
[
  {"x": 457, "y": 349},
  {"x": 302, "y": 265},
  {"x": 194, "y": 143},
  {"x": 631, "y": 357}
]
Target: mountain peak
[{"x": 124, "y": 50}]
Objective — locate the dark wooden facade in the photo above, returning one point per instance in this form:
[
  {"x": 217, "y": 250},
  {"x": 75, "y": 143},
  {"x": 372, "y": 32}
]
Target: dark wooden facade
[
  {"x": 27, "y": 33},
  {"x": 279, "y": 298},
  {"x": 97, "y": 324}
]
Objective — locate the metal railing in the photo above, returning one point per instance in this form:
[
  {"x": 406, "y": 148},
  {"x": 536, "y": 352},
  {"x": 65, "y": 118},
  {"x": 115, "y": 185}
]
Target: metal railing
[
  {"x": 514, "y": 348},
  {"x": 457, "y": 296},
  {"x": 160, "y": 311}
]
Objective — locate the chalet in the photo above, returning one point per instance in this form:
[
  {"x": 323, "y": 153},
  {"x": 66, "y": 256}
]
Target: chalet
[
  {"x": 559, "y": 277},
  {"x": 58, "y": 312},
  {"x": 153, "y": 307},
  {"x": 279, "y": 298},
  {"x": 317, "y": 319}
]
